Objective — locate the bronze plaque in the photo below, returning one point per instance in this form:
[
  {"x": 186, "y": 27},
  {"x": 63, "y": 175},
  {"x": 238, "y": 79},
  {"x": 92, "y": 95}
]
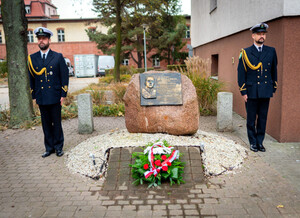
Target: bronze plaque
[{"x": 160, "y": 89}]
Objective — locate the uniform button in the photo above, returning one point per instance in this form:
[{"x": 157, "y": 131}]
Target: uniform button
[
  {"x": 268, "y": 63},
  {"x": 257, "y": 76},
  {"x": 48, "y": 80},
  {"x": 257, "y": 70},
  {"x": 265, "y": 82},
  {"x": 258, "y": 83},
  {"x": 50, "y": 66},
  {"x": 266, "y": 76},
  {"x": 41, "y": 80},
  {"x": 42, "y": 87},
  {"x": 49, "y": 87},
  {"x": 266, "y": 70}
]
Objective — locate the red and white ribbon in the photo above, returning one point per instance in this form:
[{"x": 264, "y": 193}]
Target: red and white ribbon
[{"x": 174, "y": 155}]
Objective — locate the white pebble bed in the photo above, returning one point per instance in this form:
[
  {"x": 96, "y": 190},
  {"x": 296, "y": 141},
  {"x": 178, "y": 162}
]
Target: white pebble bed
[{"x": 219, "y": 154}]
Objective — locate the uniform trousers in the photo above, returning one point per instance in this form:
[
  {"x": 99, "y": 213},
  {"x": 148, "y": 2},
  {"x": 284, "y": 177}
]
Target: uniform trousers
[
  {"x": 52, "y": 128},
  {"x": 257, "y": 112}
]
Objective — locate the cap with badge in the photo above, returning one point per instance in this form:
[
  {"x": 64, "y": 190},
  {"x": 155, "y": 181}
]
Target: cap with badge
[
  {"x": 260, "y": 27},
  {"x": 42, "y": 31}
]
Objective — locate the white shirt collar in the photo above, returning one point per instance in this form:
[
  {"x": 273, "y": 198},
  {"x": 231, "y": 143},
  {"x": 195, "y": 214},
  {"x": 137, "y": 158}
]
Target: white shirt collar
[
  {"x": 258, "y": 46},
  {"x": 46, "y": 53}
]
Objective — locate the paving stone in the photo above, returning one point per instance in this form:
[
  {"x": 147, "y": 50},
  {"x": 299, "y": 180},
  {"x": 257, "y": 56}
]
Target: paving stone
[
  {"x": 173, "y": 212},
  {"x": 105, "y": 203},
  {"x": 113, "y": 208},
  {"x": 159, "y": 213},
  {"x": 210, "y": 201},
  {"x": 191, "y": 212},
  {"x": 129, "y": 207},
  {"x": 144, "y": 213},
  {"x": 174, "y": 206}
]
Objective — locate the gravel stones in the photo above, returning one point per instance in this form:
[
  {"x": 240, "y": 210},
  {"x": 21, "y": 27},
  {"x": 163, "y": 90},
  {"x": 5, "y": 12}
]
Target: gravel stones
[{"x": 219, "y": 154}]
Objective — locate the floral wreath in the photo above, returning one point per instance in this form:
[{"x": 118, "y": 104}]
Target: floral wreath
[{"x": 158, "y": 162}]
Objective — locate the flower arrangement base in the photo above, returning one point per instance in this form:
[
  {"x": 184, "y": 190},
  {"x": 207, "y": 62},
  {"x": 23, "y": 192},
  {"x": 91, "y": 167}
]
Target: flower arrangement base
[{"x": 158, "y": 163}]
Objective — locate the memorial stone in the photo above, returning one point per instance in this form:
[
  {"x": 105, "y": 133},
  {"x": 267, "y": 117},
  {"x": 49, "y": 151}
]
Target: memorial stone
[
  {"x": 85, "y": 114},
  {"x": 182, "y": 118}
]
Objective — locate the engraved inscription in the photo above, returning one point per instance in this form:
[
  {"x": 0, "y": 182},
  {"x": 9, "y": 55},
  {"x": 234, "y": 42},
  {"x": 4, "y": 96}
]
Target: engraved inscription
[{"x": 160, "y": 89}]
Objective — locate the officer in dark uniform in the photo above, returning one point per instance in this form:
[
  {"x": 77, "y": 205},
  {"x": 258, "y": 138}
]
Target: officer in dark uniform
[
  {"x": 49, "y": 81},
  {"x": 257, "y": 80}
]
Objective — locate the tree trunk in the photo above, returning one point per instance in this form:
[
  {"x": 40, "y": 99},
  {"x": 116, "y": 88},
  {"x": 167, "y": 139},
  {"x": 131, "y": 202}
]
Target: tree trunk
[
  {"x": 140, "y": 59},
  {"x": 15, "y": 28},
  {"x": 118, "y": 43}
]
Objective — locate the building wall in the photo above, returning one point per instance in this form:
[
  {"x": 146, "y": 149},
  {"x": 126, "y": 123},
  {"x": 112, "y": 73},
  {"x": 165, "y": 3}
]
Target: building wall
[
  {"x": 283, "y": 121},
  {"x": 290, "y": 117},
  {"x": 232, "y": 16},
  {"x": 74, "y": 31}
]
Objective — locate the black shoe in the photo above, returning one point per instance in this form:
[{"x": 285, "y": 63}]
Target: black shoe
[
  {"x": 47, "y": 153},
  {"x": 261, "y": 148},
  {"x": 59, "y": 153},
  {"x": 253, "y": 148}
]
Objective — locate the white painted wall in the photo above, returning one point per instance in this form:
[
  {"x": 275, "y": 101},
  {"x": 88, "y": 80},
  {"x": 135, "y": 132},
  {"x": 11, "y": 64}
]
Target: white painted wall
[{"x": 232, "y": 16}]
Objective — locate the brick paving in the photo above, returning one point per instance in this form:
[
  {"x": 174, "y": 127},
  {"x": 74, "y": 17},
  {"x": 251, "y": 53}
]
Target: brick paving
[{"x": 31, "y": 186}]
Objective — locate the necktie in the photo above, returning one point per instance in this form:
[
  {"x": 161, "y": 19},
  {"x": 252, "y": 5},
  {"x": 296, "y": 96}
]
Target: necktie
[
  {"x": 259, "y": 49},
  {"x": 44, "y": 58}
]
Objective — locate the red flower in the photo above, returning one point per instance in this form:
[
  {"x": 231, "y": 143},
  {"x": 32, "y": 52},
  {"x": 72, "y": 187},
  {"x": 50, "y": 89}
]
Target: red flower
[
  {"x": 158, "y": 170},
  {"x": 165, "y": 168},
  {"x": 163, "y": 157},
  {"x": 157, "y": 163},
  {"x": 146, "y": 166},
  {"x": 169, "y": 163}
]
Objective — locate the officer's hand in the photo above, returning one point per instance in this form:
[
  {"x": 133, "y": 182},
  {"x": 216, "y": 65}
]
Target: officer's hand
[
  {"x": 62, "y": 100},
  {"x": 245, "y": 97}
]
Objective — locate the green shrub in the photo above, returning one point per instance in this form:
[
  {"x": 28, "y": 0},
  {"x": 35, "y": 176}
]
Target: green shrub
[
  {"x": 177, "y": 67},
  {"x": 206, "y": 88},
  {"x": 142, "y": 70},
  {"x": 109, "y": 79},
  {"x": 69, "y": 111},
  {"x": 123, "y": 70},
  {"x": 109, "y": 110},
  {"x": 119, "y": 91},
  {"x": 3, "y": 69}
]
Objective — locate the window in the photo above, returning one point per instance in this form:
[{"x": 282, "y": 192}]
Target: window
[
  {"x": 61, "y": 35},
  {"x": 187, "y": 32},
  {"x": 155, "y": 62},
  {"x": 27, "y": 9},
  {"x": 213, "y": 5},
  {"x": 0, "y": 37},
  {"x": 214, "y": 65},
  {"x": 125, "y": 62},
  {"x": 30, "y": 36}
]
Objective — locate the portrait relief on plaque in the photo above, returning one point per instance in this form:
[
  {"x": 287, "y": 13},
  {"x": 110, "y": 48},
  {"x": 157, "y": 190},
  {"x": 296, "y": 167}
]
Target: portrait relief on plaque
[
  {"x": 160, "y": 89},
  {"x": 149, "y": 91}
]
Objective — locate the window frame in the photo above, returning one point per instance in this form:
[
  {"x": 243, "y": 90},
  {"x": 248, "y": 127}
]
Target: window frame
[
  {"x": 61, "y": 35},
  {"x": 156, "y": 61},
  {"x": 30, "y": 36}
]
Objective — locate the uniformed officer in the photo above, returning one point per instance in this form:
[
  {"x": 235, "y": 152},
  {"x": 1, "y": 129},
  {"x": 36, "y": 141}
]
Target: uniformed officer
[
  {"x": 49, "y": 81},
  {"x": 257, "y": 80}
]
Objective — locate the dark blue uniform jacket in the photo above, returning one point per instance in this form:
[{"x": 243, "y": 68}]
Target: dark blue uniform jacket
[
  {"x": 258, "y": 83},
  {"x": 50, "y": 87}
]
